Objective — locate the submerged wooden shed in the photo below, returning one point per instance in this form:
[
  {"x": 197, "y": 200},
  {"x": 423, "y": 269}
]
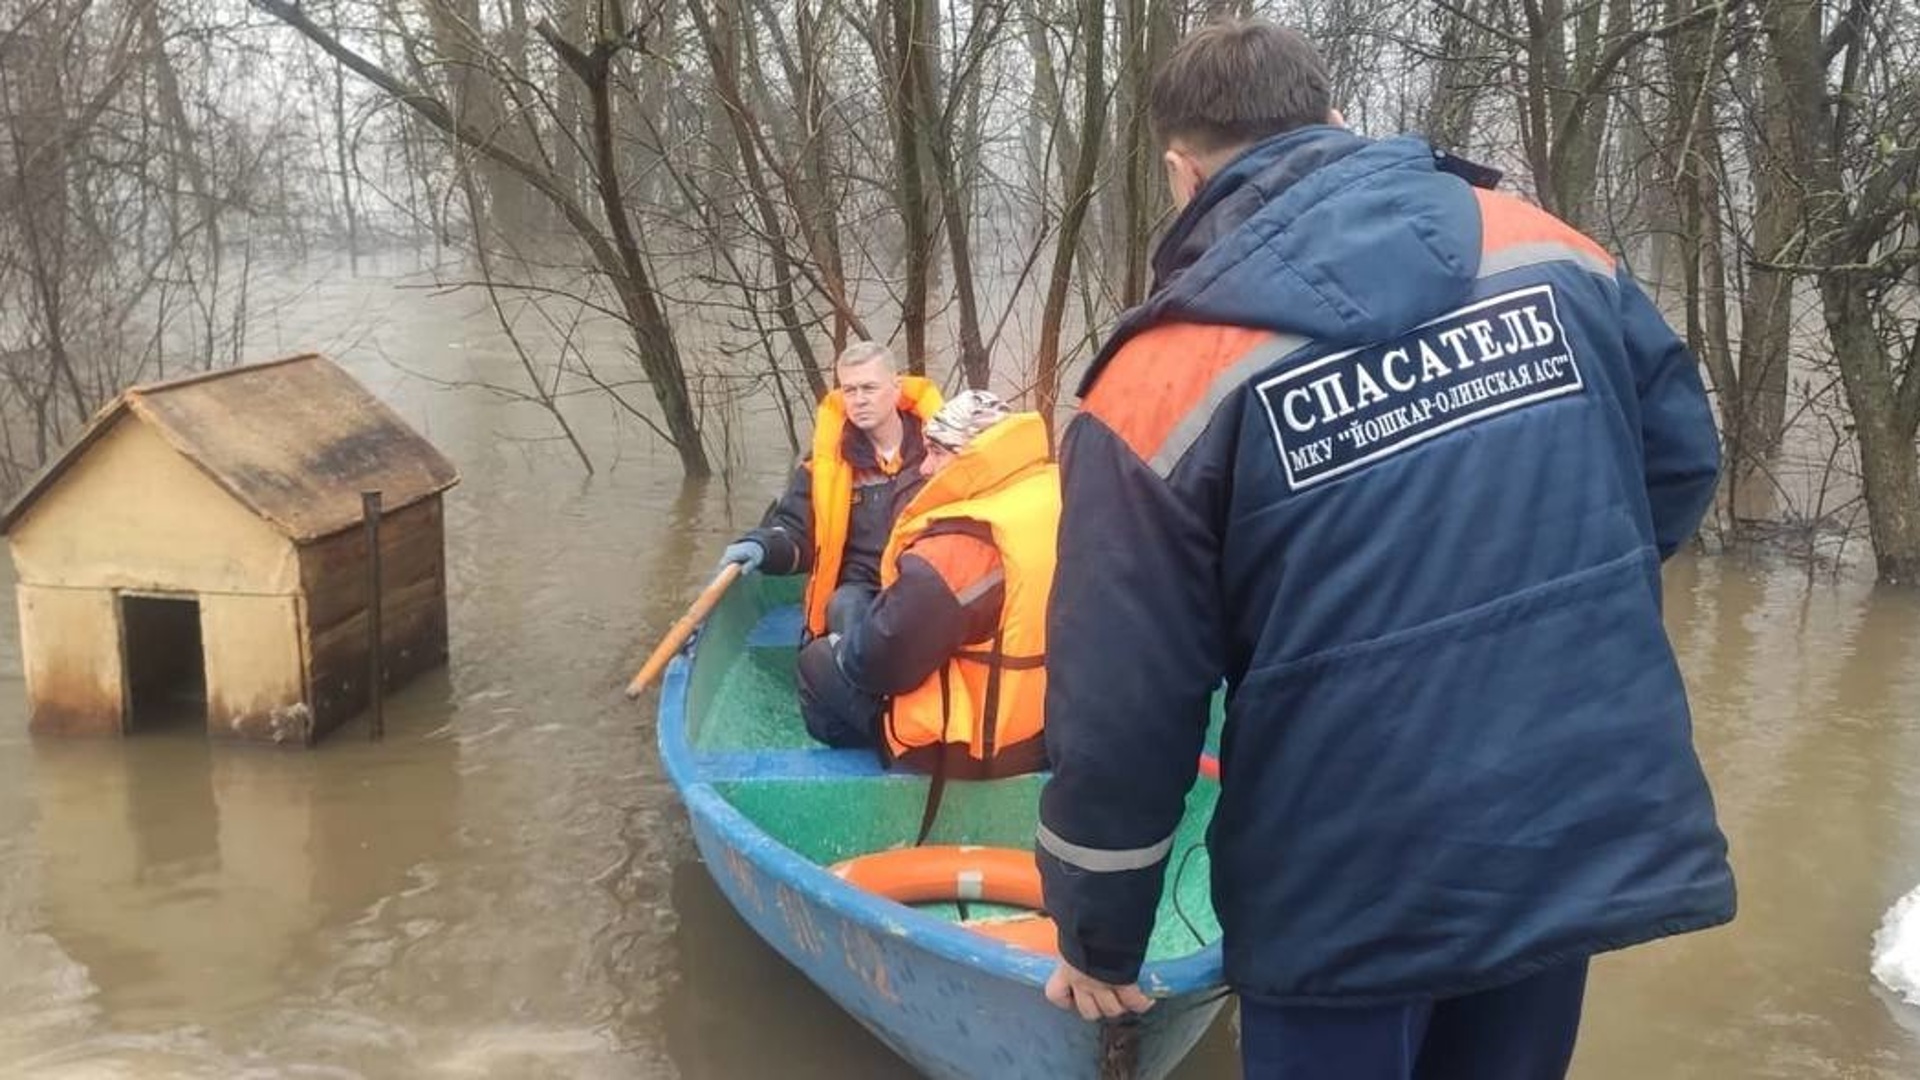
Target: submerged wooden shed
[{"x": 202, "y": 546}]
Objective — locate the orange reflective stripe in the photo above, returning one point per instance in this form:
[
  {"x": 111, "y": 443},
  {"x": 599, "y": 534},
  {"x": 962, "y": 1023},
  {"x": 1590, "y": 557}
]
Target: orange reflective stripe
[
  {"x": 1507, "y": 223},
  {"x": 1166, "y": 374}
]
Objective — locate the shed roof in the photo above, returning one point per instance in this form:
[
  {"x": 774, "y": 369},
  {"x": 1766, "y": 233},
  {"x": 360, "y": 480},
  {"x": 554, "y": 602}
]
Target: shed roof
[{"x": 294, "y": 440}]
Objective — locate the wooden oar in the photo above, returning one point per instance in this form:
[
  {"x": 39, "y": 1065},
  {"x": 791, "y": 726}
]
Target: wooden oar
[{"x": 683, "y": 629}]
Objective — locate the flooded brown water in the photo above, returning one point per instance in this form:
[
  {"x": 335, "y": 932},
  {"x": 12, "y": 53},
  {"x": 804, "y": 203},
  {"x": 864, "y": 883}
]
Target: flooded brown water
[{"x": 505, "y": 887}]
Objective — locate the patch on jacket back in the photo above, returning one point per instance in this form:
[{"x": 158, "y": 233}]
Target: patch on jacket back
[{"x": 1344, "y": 412}]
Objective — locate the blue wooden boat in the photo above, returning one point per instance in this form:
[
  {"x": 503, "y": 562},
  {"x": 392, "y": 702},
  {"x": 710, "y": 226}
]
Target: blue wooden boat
[{"x": 771, "y": 811}]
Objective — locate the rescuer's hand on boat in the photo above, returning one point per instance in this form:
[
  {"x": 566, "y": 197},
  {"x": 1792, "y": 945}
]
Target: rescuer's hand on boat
[{"x": 1071, "y": 988}]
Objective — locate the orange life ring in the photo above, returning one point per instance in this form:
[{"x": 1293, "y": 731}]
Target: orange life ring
[{"x": 937, "y": 874}]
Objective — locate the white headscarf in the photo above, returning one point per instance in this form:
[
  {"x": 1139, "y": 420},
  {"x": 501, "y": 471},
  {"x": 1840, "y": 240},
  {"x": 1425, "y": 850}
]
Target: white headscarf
[{"x": 964, "y": 417}]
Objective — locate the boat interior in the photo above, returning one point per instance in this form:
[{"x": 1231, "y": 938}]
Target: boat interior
[{"x": 748, "y": 741}]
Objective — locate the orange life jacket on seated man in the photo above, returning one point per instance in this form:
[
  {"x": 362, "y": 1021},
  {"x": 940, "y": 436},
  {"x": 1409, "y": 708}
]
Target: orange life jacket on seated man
[
  {"x": 832, "y": 493},
  {"x": 980, "y": 715}
]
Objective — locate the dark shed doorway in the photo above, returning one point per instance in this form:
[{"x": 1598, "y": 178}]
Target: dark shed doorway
[{"x": 166, "y": 668}]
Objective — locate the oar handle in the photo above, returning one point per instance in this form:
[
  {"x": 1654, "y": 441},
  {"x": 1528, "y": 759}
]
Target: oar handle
[{"x": 683, "y": 629}]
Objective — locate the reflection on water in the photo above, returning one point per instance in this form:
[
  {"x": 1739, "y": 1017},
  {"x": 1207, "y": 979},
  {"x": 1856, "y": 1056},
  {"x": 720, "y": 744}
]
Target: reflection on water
[
  {"x": 505, "y": 886},
  {"x": 222, "y": 904}
]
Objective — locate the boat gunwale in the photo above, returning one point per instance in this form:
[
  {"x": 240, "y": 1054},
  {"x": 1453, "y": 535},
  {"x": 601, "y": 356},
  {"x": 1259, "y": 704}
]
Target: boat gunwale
[{"x": 1192, "y": 973}]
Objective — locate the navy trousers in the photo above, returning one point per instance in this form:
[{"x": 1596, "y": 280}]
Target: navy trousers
[
  {"x": 1521, "y": 1031},
  {"x": 836, "y": 711}
]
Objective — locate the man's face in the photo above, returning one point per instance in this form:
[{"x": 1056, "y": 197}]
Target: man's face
[
  {"x": 937, "y": 458},
  {"x": 871, "y": 391}
]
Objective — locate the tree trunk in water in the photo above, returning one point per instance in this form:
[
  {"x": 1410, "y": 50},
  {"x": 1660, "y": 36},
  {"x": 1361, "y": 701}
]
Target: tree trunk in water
[
  {"x": 44, "y": 186},
  {"x": 1448, "y": 121},
  {"x": 1888, "y": 464},
  {"x": 1652, "y": 216},
  {"x": 1545, "y": 76},
  {"x": 912, "y": 195},
  {"x": 1147, "y": 199},
  {"x": 1766, "y": 319},
  {"x": 817, "y": 207},
  {"x": 1582, "y": 111},
  {"x": 641, "y": 117},
  {"x": 1885, "y": 406},
  {"x": 1118, "y": 196},
  {"x": 1079, "y": 197},
  {"x": 1049, "y": 133},
  {"x": 343, "y": 154},
  {"x": 722, "y": 31},
  {"x": 569, "y": 159},
  {"x": 480, "y": 104},
  {"x": 936, "y": 146},
  {"x": 181, "y": 128},
  {"x": 808, "y": 176},
  {"x": 652, "y": 333},
  {"x": 1718, "y": 354}
]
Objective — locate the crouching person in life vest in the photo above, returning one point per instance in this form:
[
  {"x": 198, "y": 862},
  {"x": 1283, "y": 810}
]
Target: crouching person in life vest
[
  {"x": 833, "y": 522},
  {"x": 946, "y": 672}
]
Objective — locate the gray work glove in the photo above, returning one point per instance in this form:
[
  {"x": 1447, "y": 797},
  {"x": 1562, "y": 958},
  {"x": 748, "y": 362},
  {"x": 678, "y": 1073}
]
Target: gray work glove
[{"x": 748, "y": 553}]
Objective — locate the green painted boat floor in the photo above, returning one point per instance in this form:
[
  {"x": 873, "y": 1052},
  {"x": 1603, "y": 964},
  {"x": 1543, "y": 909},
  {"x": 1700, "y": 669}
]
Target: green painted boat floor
[
  {"x": 743, "y": 700},
  {"x": 756, "y": 707}
]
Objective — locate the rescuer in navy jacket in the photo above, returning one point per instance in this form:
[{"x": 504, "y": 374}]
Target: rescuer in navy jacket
[{"x": 1397, "y": 459}]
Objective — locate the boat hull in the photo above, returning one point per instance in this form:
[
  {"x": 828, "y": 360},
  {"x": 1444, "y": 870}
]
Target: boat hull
[
  {"x": 950, "y": 1018},
  {"x": 953, "y": 1003}
]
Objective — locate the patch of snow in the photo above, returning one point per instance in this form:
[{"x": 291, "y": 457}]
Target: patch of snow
[{"x": 1896, "y": 948}]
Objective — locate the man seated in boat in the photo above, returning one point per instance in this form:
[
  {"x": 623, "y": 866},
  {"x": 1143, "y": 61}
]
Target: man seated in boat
[
  {"x": 834, "y": 519},
  {"x": 945, "y": 672}
]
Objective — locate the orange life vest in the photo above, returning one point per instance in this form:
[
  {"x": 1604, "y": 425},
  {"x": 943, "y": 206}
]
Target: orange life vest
[
  {"x": 833, "y": 489},
  {"x": 980, "y": 715}
]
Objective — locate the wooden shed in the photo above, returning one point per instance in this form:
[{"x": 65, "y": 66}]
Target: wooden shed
[{"x": 202, "y": 546}]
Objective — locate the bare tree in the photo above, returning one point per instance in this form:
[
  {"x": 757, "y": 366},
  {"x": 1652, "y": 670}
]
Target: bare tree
[
  {"x": 608, "y": 236},
  {"x": 1080, "y": 193},
  {"x": 1851, "y": 104}
]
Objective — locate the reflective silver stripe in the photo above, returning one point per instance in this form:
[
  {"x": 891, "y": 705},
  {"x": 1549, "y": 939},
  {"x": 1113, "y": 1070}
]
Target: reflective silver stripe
[
  {"x": 1543, "y": 251},
  {"x": 980, "y": 588},
  {"x": 1188, "y": 430},
  {"x": 1103, "y": 860}
]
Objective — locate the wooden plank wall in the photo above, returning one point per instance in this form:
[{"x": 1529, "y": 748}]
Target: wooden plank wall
[{"x": 413, "y": 609}]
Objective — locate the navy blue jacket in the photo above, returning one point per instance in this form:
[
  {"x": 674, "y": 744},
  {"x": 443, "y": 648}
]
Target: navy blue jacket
[{"x": 1398, "y": 460}]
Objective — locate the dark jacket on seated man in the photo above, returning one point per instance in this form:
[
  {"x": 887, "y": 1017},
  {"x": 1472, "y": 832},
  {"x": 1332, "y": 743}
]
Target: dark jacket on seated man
[
  {"x": 787, "y": 530},
  {"x": 833, "y": 521}
]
